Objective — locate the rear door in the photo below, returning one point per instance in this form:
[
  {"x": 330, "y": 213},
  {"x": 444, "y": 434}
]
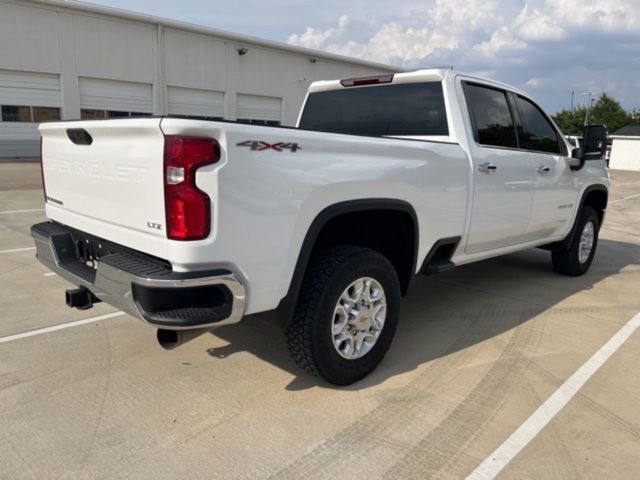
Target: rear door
[
  {"x": 504, "y": 175},
  {"x": 554, "y": 194}
]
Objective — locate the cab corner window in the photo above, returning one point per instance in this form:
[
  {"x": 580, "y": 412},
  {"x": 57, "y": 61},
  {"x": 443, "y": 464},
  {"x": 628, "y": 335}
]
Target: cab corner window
[
  {"x": 537, "y": 132},
  {"x": 490, "y": 116}
]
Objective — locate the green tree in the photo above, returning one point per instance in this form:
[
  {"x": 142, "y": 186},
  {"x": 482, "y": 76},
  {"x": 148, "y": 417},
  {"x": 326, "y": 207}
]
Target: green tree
[
  {"x": 605, "y": 110},
  {"x": 570, "y": 122},
  {"x": 608, "y": 111}
]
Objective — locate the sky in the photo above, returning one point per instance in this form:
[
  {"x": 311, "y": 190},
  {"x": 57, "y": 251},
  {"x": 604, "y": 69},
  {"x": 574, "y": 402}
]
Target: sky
[{"x": 548, "y": 48}]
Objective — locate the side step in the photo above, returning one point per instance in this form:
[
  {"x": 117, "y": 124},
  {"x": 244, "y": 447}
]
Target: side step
[
  {"x": 438, "y": 266},
  {"x": 439, "y": 257}
]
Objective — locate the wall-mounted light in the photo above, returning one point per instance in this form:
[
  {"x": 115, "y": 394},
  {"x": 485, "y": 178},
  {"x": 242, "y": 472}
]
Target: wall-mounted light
[
  {"x": 242, "y": 51},
  {"x": 312, "y": 60}
]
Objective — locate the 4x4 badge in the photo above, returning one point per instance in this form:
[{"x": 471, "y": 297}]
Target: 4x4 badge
[{"x": 260, "y": 145}]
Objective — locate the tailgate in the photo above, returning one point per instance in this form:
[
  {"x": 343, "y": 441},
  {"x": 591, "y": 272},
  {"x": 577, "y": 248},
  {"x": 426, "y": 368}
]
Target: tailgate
[{"x": 112, "y": 179}]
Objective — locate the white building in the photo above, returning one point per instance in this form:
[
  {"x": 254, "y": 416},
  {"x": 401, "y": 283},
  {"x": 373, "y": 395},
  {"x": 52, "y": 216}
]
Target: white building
[
  {"x": 625, "y": 149},
  {"x": 69, "y": 60}
]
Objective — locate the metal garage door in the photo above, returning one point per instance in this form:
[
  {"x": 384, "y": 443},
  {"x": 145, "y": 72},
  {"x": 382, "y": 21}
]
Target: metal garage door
[
  {"x": 21, "y": 90},
  {"x": 115, "y": 96},
  {"x": 196, "y": 103},
  {"x": 258, "y": 109}
]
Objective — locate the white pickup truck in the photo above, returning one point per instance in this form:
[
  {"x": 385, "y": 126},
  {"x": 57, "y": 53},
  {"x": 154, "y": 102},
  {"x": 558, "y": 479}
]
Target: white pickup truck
[{"x": 190, "y": 224}]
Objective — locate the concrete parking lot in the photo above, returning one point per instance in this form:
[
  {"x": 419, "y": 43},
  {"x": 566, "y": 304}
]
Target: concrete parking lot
[{"x": 478, "y": 350}]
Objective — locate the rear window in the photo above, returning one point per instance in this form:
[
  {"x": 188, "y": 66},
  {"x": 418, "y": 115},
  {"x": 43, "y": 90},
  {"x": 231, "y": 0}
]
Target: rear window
[{"x": 402, "y": 109}]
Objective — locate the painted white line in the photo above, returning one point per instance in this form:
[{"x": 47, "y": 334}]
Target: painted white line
[
  {"x": 55, "y": 328},
  {"x": 625, "y": 198},
  {"x": 526, "y": 432},
  {"x": 14, "y": 250},
  {"x": 22, "y": 211},
  {"x": 49, "y": 274}
]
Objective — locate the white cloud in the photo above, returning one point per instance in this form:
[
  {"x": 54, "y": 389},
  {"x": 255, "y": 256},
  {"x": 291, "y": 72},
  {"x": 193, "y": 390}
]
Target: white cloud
[
  {"x": 535, "y": 82},
  {"x": 548, "y": 46},
  {"x": 532, "y": 25},
  {"x": 317, "y": 38},
  {"x": 502, "y": 41}
]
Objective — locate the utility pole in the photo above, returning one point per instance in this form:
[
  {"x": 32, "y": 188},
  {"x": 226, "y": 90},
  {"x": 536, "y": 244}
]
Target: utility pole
[
  {"x": 589, "y": 104},
  {"x": 572, "y": 93}
]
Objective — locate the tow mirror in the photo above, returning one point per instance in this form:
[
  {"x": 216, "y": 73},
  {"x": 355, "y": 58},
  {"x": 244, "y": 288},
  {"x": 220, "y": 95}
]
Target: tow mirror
[
  {"x": 594, "y": 144},
  {"x": 576, "y": 162}
]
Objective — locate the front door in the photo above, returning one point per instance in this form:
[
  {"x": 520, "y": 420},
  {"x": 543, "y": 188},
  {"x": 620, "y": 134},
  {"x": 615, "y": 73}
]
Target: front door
[
  {"x": 503, "y": 177},
  {"x": 554, "y": 194}
]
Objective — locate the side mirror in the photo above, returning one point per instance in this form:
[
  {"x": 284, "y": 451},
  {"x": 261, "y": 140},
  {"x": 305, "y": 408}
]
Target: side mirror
[
  {"x": 594, "y": 143},
  {"x": 576, "y": 161}
]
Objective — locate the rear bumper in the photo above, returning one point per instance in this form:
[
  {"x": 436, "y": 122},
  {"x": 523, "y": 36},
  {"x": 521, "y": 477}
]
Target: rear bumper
[{"x": 141, "y": 285}]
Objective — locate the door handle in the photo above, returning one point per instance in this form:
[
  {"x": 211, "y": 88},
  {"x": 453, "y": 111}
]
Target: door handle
[
  {"x": 486, "y": 167},
  {"x": 542, "y": 170}
]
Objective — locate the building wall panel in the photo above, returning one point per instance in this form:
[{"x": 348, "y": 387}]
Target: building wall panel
[
  {"x": 28, "y": 38},
  {"x": 112, "y": 49},
  {"x": 101, "y": 94},
  {"x": 188, "y": 101}
]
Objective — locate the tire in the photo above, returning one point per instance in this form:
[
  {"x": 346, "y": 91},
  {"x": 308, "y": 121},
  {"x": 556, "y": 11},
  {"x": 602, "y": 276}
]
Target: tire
[
  {"x": 332, "y": 276},
  {"x": 569, "y": 261}
]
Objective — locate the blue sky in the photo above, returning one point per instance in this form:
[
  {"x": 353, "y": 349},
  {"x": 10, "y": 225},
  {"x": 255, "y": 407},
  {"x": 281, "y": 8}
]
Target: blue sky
[{"x": 546, "y": 47}]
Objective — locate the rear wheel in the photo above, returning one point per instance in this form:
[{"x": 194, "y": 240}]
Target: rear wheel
[
  {"x": 576, "y": 259},
  {"x": 346, "y": 315}
]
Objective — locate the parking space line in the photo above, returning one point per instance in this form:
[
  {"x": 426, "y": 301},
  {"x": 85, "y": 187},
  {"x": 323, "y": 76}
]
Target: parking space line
[
  {"x": 15, "y": 250},
  {"x": 55, "y": 328},
  {"x": 7, "y": 212},
  {"x": 49, "y": 274},
  {"x": 526, "y": 432},
  {"x": 624, "y": 198}
]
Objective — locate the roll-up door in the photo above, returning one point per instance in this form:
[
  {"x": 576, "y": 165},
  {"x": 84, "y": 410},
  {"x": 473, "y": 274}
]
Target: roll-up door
[
  {"x": 115, "y": 96},
  {"x": 259, "y": 109},
  {"x": 195, "y": 103},
  {"x": 25, "y": 99}
]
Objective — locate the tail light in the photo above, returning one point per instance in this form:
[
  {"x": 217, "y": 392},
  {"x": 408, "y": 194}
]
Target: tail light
[{"x": 187, "y": 208}]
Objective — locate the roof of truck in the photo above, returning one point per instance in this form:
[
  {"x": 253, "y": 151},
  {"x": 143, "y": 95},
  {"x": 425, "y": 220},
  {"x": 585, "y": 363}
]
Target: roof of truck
[{"x": 434, "y": 74}]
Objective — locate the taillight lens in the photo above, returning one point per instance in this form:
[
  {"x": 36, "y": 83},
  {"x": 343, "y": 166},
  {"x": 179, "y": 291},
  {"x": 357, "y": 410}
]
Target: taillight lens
[{"x": 187, "y": 208}]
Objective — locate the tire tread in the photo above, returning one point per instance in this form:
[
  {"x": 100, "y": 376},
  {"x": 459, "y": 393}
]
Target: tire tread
[{"x": 299, "y": 334}]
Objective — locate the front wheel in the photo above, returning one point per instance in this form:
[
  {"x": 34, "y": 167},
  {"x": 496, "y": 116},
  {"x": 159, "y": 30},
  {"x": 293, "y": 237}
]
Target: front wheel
[
  {"x": 346, "y": 315},
  {"x": 576, "y": 259}
]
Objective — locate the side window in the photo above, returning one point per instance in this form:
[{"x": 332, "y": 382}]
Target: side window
[
  {"x": 490, "y": 116},
  {"x": 536, "y": 132}
]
